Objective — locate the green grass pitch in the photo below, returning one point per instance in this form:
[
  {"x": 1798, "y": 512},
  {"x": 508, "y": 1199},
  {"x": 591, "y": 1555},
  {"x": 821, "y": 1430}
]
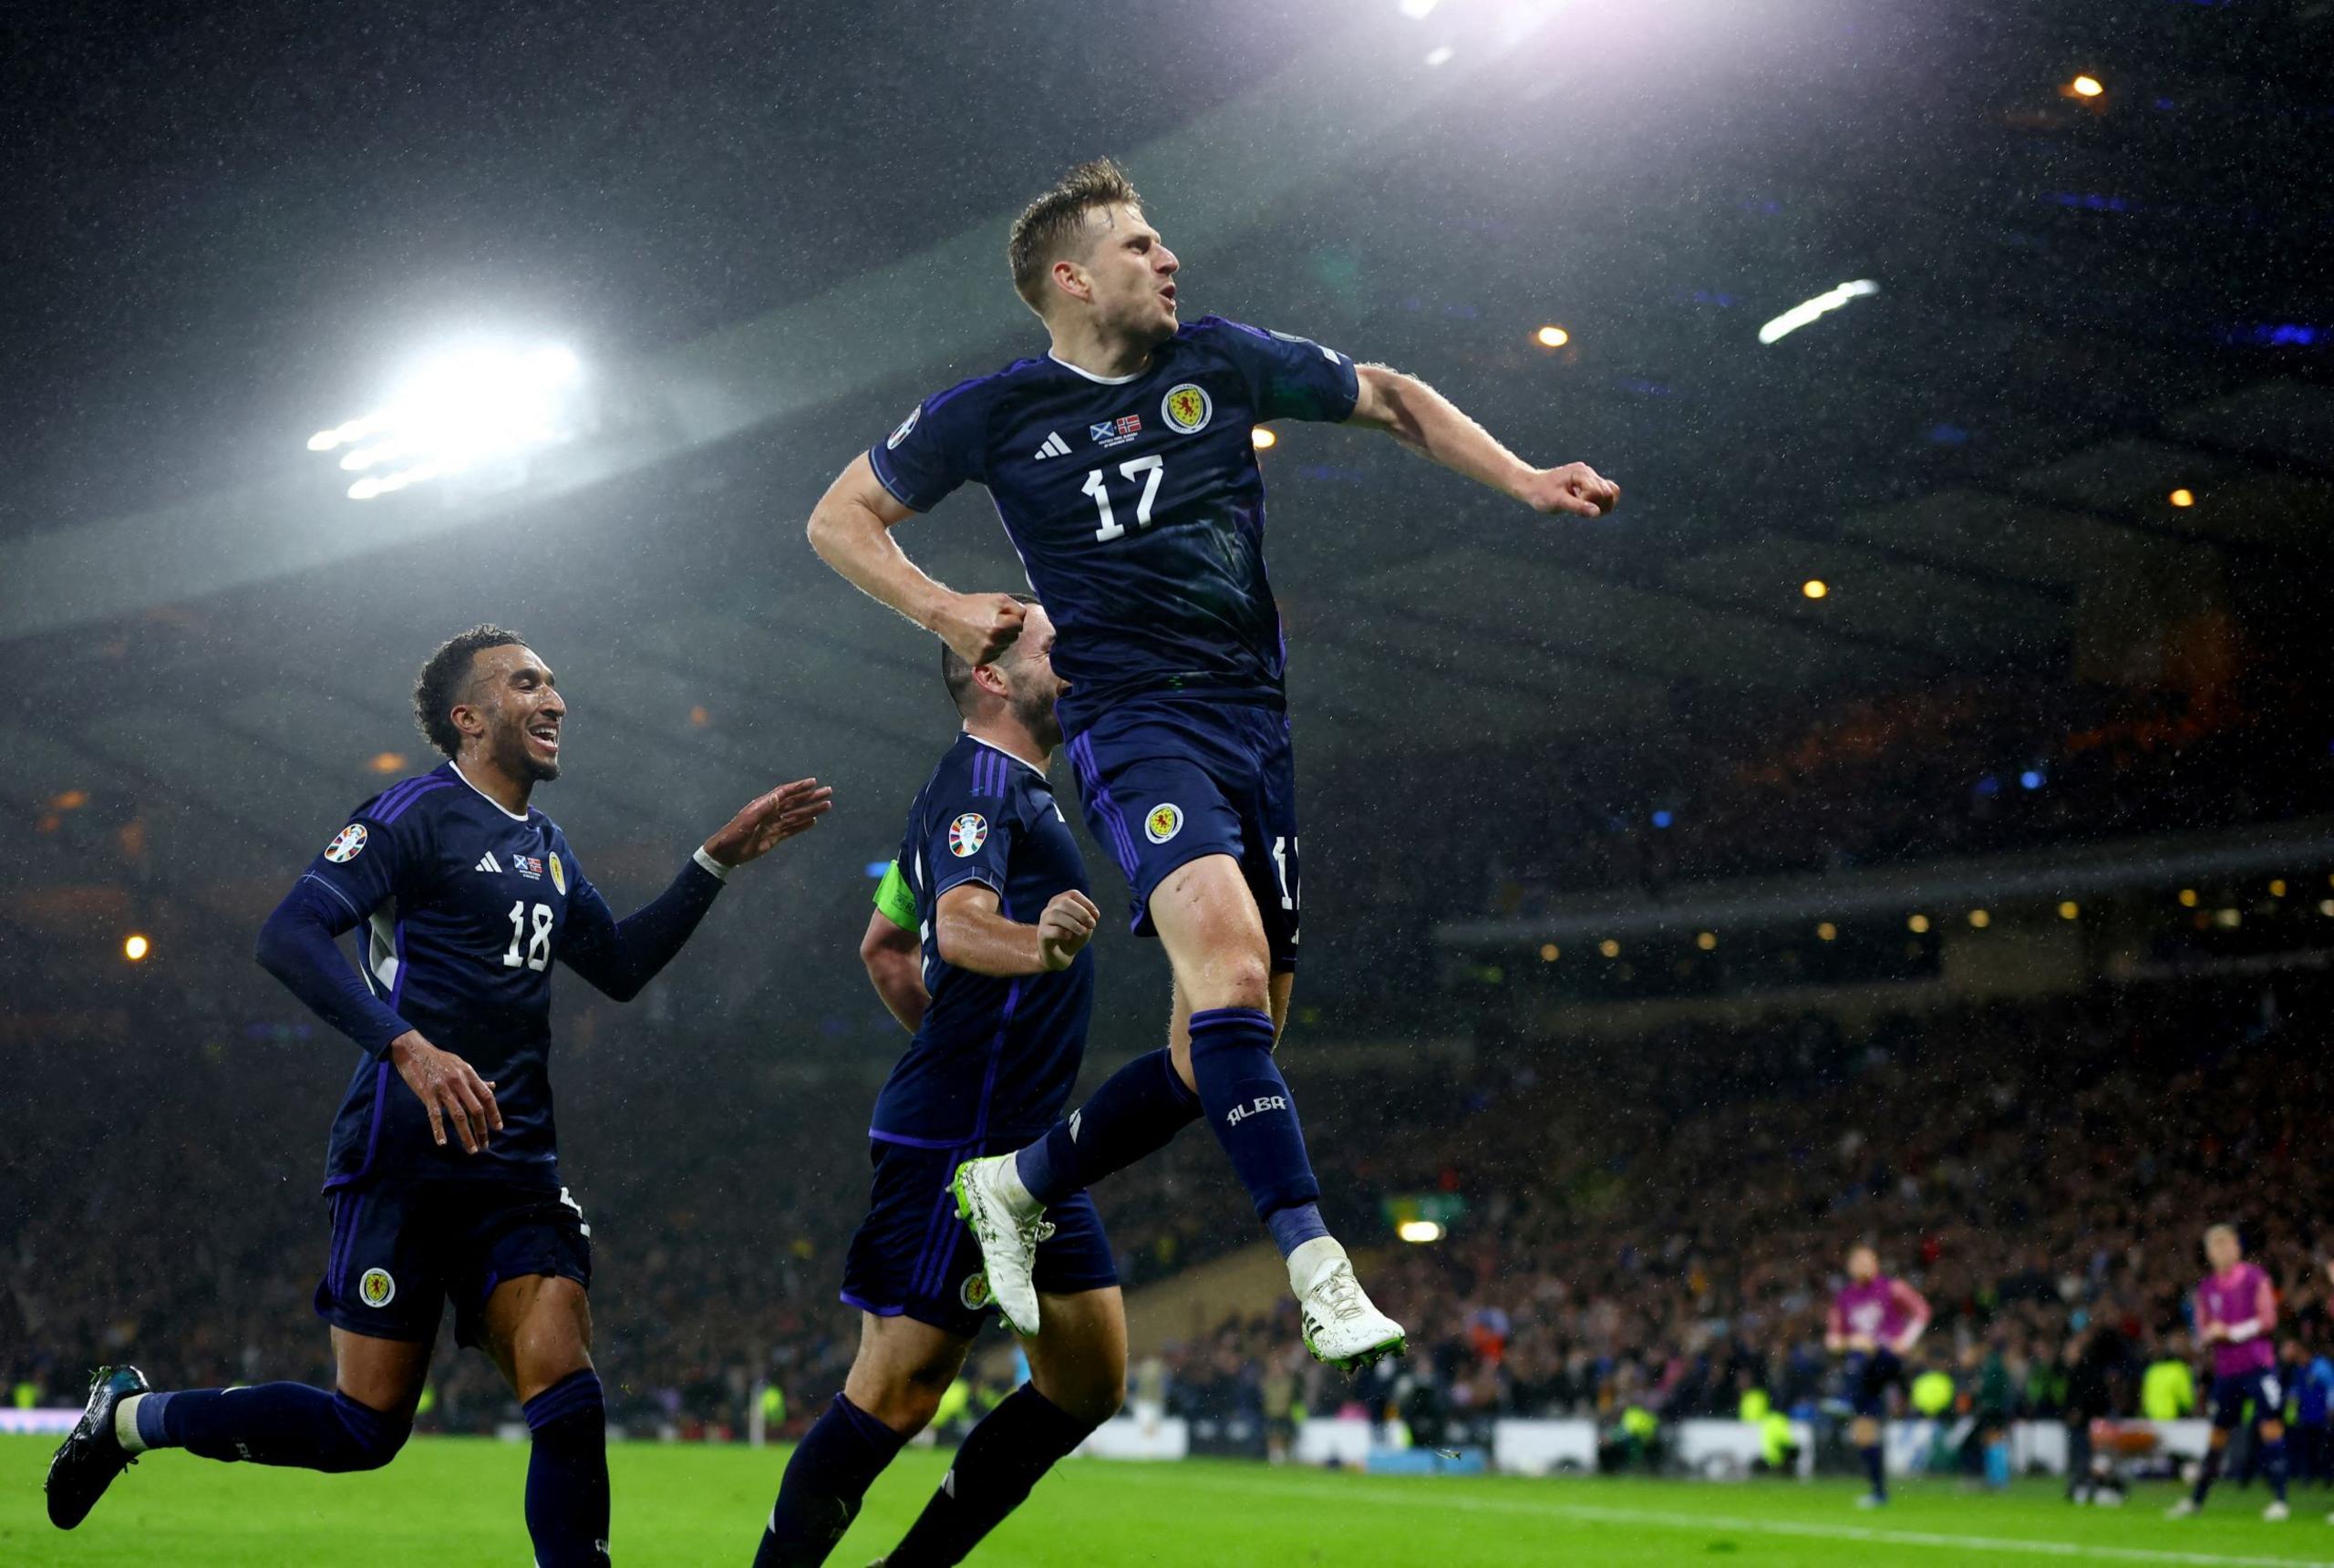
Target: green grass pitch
[{"x": 456, "y": 1501}]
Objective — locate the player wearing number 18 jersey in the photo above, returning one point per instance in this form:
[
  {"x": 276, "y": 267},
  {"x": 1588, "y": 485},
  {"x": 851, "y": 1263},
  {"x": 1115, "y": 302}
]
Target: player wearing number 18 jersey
[
  {"x": 463, "y": 895},
  {"x": 1122, "y": 464}
]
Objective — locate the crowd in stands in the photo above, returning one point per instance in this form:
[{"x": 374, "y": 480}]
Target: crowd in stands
[
  {"x": 1912, "y": 776},
  {"x": 1647, "y": 1224}
]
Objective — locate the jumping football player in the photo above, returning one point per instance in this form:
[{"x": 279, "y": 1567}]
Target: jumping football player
[
  {"x": 978, "y": 946},
  {"x": 465, "y": 893},
  {"x": 1122, "y": 463},
  {"x": 1875, "y": 1322},
  {"x": 2237, "y": 1315}
]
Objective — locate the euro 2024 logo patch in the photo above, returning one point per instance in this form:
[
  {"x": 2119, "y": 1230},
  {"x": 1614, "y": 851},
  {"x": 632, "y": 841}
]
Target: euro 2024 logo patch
[
  {"x": 1187, "y": 408},
  {"x": 1164, "y": 822},
  {"x": 375, "y": 1288},
  {"x": 967, "y": 834},
  {"x": 347, "y": 844}
]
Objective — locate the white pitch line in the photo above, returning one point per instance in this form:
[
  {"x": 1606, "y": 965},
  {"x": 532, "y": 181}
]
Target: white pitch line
[{"x": 1589, "y": 1513}]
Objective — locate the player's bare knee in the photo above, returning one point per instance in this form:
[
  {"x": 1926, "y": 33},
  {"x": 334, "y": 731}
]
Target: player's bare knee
[
  {"x": 1090, "y": 1396},
  {"x": 903, "y": 1404}
]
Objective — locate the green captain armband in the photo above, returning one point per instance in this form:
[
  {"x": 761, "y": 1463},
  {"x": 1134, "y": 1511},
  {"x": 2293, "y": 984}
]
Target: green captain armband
[{"x": 893, "y": 899}]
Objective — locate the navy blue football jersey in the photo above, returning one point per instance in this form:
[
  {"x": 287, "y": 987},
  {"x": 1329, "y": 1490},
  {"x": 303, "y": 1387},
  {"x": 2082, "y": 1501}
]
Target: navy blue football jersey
[
  {"x": 461, "y": 908},
  {"x": 995, "y": 1058},
  {"x": 1135, "y": 503}
]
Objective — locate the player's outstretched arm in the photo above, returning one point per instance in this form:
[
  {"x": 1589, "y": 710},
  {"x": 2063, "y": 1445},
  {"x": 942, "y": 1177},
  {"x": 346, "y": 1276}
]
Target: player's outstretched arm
[
  {"x": 767, "y": 820},
  {"x": 895, "y": 961},
  {"x": 972, "y": 932},
  {"x": 851, "y": 528},
  {"x": 1431, "y": 425},
  {"x": 620, "y": 957}
]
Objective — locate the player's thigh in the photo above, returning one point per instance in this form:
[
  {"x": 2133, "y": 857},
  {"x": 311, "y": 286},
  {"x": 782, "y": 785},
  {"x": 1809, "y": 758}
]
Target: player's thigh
[
  {"x": 1078, "y": 1359},
  {"x": 384, "y": 1374},
  {"x": 903, "y": 1367},
  {"x": 1206, "y": 917},
  {"x": 538, "y": 1329}
]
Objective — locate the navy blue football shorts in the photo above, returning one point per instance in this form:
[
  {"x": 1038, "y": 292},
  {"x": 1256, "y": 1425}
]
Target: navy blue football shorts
[
  {"x": 401, "y": 1249},
  {"x": 1164, "y": 780},
  {"x": 2262, "y": 1389},
  {"x": 1869, "y": 1377},
  {"x": 914, "y": 1257}
]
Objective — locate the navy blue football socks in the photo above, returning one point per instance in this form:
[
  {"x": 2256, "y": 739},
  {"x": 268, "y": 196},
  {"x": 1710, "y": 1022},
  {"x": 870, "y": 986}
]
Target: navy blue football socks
[
  {"x": 567, "y": 1473},
  {"x": 1136, "y": 1112},
  {"x": 826, "y": 1481},
  {"x": 1251, "y": 1110},
  {"x": 287, "y": 1424},
  {"x": 1001, "y": 1461}
]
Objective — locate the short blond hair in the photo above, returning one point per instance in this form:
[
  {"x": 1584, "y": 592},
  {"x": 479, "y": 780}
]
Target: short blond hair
[{"x": 1054, "y": 225}]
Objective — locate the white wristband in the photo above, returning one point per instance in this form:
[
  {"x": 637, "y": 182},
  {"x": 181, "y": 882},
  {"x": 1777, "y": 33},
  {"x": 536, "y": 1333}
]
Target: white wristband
[
  {"x": 2239, "y": 1333},
  {"x": 721, "y": 872}
]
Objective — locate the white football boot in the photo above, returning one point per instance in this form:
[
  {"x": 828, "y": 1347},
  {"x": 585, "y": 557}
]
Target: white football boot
[
  {"x": 2184, "y": 1508},
  {"x": 1009, "y": 1226},
  {"x": 1341, "y": 1328},
  {"x": 2276, "y": 1512}
]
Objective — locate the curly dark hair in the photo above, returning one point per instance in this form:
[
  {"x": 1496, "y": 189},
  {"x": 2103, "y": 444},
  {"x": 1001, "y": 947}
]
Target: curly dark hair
[
  {"x": 444, "y": 676},
  {"x": 1049, "y": 226}
]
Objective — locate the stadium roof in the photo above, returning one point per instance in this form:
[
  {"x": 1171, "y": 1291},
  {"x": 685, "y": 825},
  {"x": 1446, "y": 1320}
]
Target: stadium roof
[{"x": 2082, "y": 308}]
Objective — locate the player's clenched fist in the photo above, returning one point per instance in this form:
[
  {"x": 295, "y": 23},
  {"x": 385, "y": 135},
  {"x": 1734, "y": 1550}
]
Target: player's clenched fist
[
  {"x": 1576, "y": 488},
  {"x": 979, "y": 626},
  {"x": 1065, "y": 927},
  {"x": 449, "y": 1088}
]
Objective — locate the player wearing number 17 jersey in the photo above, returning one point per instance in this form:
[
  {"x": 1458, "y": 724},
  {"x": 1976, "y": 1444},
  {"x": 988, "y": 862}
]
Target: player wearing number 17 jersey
[
  {"x": 463, "y": 893},
  {"x": 1122, "y": 464}
]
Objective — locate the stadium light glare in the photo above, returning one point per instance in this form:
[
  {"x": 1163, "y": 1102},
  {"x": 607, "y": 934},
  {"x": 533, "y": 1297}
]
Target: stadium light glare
[
  {"x": 1440, "y": 55},
  {"x": 1551, "y": 336},
  {"x": 1418, "y": 10},
  {"x": 2086, "y": 87},
  {"x": 1707, "y": 940},
  {"x": 69, "y": 801},
  {"x": 1609, "y": 948},
  {"x": 2276, "y": 887},
  {"x": 2228, "y": 919},
  {"x": 2070, "y": 910},
  {"x": 2187, "y": 898},
  {"x": 1800, "y": 315},
  {"x": 2325, "y": 907},
  {"x": 386, "y": 761},
  {"x": 1918, "y": 925},
  {"x": 1550, "y": 953},
  {"x": 1981, "y": 919},
  {"x": 1264, "y": 438},
  {"x": 1827, "y": 931},
  {"x": 469, "y": 403},
  {"x": 135, "y": 947},
  {"x": 1419, "y": 1232},
  {"x": 2182, "y": 497},
  {"x": 1815, "y": 588}
]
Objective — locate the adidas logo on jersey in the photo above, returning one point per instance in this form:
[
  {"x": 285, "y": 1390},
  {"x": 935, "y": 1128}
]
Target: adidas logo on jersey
[
  {"x": 1055, "y": 446},
  {"x": 486, "y": 862}
]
